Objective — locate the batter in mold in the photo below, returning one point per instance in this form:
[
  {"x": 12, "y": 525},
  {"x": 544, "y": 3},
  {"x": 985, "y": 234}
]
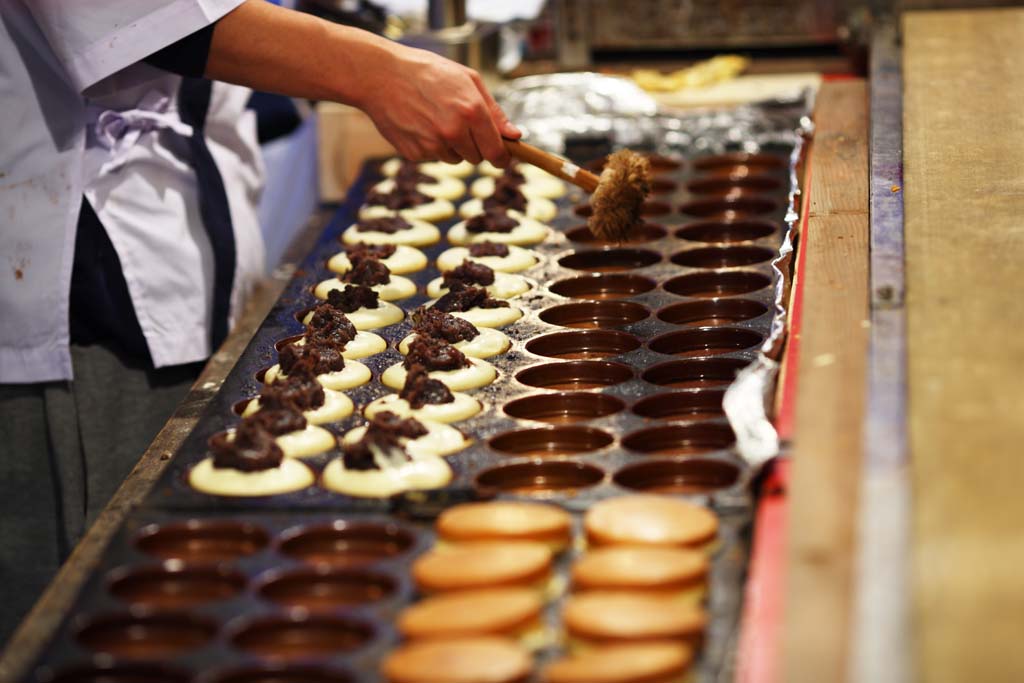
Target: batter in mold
[
  {"x": 482, "y": 342},
  {"x": 391, "y": 230},
  {"x": 419, "y": 438},
  {"x": 498, "y": 285},
  {"x": 503, "y": 258},
  {"x": 439, "y": 187},
  {"x": 425, "y": 398},
  {"x": 373, "y": 274},
  {"x": 302, "y": 394},
  {"x": 444, "y": 362},
  {"x": 535, "y": 182},
  {"x": 437, "y": 169},
  {"x": 506, "y": 226},
  {"x": 399, "y": 258},
  {"x": 507, "y": 194},
  {"x": 363, "y": 307},
  {"x": 377, "y": 464},
  {"x": 319, "y": 360},
  {"x": 249, "y": 463},
  {"x": 296, "y": 436},
  {"x": 474, "y": 305},
  {"x": 537, "y": 209},
  {"x": 328, "y": 325},
  {"x": 407, "y": 201}
]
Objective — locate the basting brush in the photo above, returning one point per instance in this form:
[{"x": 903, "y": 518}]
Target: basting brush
[{"x": 617, "y": 194}]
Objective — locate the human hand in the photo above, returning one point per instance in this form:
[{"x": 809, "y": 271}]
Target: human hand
[{"x": 430, "y": 108}]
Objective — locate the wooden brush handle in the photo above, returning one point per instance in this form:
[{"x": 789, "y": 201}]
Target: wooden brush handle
[{"x": 555, "y": 165}]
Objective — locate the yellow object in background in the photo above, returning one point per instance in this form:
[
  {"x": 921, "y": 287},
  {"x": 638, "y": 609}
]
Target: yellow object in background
[{"x": 708, "y": 72}]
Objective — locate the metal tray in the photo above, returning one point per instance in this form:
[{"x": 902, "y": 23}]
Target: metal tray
[{"x": 701, "y": 467}]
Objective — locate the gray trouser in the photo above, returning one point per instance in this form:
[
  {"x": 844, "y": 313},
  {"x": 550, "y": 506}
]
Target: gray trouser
[{"x": 65, "y": 447}]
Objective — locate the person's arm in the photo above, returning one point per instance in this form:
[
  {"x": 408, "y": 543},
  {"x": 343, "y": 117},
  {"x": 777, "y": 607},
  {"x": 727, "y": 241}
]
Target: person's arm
[{"x": 428, "y": 107}]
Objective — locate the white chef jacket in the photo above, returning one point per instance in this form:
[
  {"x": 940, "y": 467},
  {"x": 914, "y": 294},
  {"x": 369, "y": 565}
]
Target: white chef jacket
[{"x": 79, "y": 113}]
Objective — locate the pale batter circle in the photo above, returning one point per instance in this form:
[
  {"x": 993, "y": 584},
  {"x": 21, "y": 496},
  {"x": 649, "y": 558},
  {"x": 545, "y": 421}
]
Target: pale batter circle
[
  {"x": 354, "y": 374},
  {"x": 405, "y": 260},
  {"x": 440, "y": 440},
  {"x": 371, "y": 318},
  {"x": 434, "y": 168},
  {"x": 337, "y": 406},
  {"x": 505, "y": 286},
  {"x": 446, "y": 187},
  {"x": 490, "y": 317},
  {"x": 420, "y": 473},
  {"x": 518, "y": 259},
  {"x": 489, "y": 342},
  {"x": 362, "y": 345},
  {"x": 432, "y": 212},
  {"x": 478, "y": 374},
  {"x": 419, "y": 235},
  {"x": 462, "y": 408},
  {"x": 291, "y": 475},
  {"x": 397, "y": 288},
  {"x": 537, "y": 208},
  {"x": 527, "y": 232},
  {"x": 536, "y": 187}
]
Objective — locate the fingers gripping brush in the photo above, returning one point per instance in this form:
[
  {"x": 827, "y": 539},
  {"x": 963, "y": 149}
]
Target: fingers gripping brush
[{"x": 617, "y": 194}]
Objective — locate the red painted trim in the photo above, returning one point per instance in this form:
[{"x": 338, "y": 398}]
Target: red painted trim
[
  {"x": 759, "y": 655},
  {"x": 839, "y": 77}
]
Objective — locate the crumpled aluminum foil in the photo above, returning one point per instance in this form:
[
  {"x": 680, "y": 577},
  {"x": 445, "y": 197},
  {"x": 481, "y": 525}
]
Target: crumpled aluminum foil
[
  {"x": 554, "y": 107},
  {"x": 548, "y": 108}
]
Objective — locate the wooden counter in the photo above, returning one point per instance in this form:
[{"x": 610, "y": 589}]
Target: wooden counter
[
  {"x": 830, "y": 388},
  {"x": 964, "y": 182}
]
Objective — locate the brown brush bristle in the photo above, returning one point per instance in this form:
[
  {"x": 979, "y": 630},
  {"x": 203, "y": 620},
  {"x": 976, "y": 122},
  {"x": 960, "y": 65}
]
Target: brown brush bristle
[{"x": 619, "y": 195}]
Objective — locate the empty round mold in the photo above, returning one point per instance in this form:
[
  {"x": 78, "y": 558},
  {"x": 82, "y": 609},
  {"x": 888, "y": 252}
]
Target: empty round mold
[
  {"x": 343, "y": 544},
  {"x": 645, "y": 232},
  {"x": 175, "y": 585},
  {"x": 595, "y": 314},
  {"x": 539, "y": 478},
  {"x": 610, "y": 286},
  {"x": 610, "y": 260},
  {"x": 680, "y": 439},
  {"x": 702, "y": 404},
  {"x": 723, "y": 257},
  {"x": 729, "y": 207},
  {"x": 561, "y": 408},
  {"x": 695, "y": 373},
  {"x": 575, "y": 374},
  {"x": 271, "y": 673},
  {"x": 650, "y": 207},
  {"x": 722, "y": 163},
  {"x": 551, "y": 441},
  {"x": 662, "y": 185},
  {"x": 110, "y": 672},
  {"x": 713, "y": 285},
  {"x": 146, "y": 636},
  {"x": 726, "y": 232},
  {"x": 712, "y": 312},
  {"x": 690, "y": 476},
  {"x": 723, "y": 185},
  {"x": 707, "y": 341},
  {"x": 320, "y": 588},
  {"x": 583, "y": 344},
  {"x": 299, "y": 636},
  {"x": 202, "y": 540}
]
